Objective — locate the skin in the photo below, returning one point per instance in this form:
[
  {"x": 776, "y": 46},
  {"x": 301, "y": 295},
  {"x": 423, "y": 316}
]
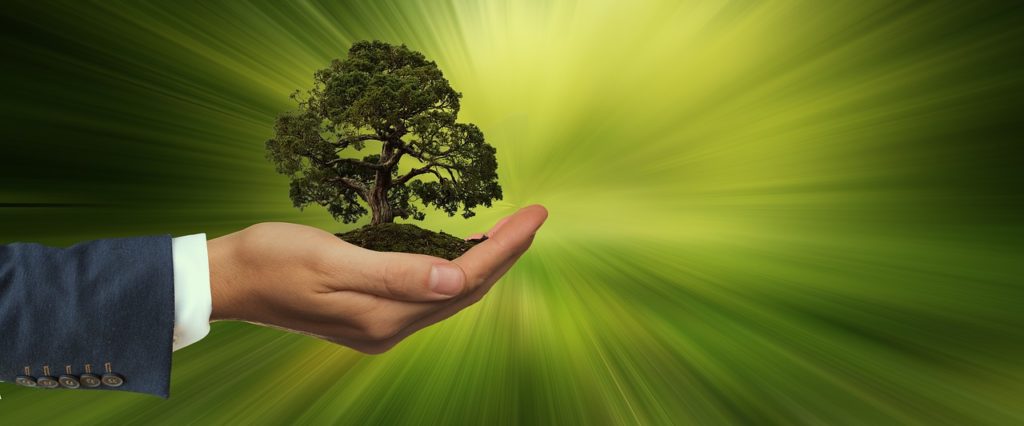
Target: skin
[{"x": 305, "y": 280}]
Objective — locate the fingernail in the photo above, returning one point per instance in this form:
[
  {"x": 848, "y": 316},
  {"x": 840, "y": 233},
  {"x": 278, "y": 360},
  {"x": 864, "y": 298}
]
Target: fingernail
[{"x": 446, "y": 279}]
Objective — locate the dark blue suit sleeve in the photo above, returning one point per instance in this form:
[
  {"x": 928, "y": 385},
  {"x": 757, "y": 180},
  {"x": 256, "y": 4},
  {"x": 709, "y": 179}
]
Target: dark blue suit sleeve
[{"x": 99, "y": 313}]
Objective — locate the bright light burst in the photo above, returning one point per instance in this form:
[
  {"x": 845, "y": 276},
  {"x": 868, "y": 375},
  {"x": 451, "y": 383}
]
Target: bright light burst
[{"x": 761, "y": 212}]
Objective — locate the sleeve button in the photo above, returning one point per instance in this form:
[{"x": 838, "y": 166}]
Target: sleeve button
[
  {"x": 90, "y": 380},
  {"x": 69, "y": 381},
  {"x": 47, "y": 382},
  {"x": 113, "y": 380},
  {"x": 27, "y": 381}
]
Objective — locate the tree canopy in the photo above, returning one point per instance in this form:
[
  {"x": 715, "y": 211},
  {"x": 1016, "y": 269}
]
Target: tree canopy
[{"x": 396, "y": 103}]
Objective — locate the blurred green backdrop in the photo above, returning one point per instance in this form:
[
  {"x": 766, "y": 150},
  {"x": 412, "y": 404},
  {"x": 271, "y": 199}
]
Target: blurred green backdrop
[{"x": 761, "y": 212}]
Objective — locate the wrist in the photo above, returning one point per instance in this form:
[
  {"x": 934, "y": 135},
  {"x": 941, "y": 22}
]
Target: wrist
[{"x": 222, "y": 279}]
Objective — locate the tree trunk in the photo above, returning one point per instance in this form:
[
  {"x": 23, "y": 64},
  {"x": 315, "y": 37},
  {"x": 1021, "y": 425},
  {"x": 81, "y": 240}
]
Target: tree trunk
[
  {"x": 379, "y": 193},
  {"x": 379, "y": 206}
]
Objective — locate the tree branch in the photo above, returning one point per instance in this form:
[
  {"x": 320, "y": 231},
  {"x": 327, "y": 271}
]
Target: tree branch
[
  {"x": 450, "y": 173},
  {"x": 357, "y": 138},
  {"x": 412, "y": 173},
  {"x": 408, "y": 150},
  {"x": 375, "y": 166},
  {"x": 439, "y": 177},
  {"x": 429, "y": 168},
  {"x": 394, "y": 157},
  {"x": 435, "y": 155},
  {"x": 352, "y": 184}
]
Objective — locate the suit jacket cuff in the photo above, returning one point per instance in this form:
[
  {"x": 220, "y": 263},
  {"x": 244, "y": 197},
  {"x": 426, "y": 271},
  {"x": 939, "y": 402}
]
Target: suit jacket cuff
[{"x": 99, "y": 306}]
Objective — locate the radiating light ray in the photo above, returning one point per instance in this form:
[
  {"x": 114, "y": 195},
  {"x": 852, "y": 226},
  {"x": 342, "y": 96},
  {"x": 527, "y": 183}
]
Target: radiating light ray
[{"x": 774, "y": 212}]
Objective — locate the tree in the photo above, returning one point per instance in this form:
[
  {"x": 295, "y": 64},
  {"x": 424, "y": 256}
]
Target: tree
[{"x": 393, "y": 99}]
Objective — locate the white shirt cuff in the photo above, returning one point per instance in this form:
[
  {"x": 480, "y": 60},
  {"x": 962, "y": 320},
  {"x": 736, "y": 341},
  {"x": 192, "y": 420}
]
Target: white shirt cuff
[{"x": 192, "y": 301}]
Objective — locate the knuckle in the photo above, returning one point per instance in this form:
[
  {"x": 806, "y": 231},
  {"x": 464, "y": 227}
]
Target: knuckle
[
  {"x": 499, "y": 244},
  {"x": 479, "y": 279},
  {"x": 394, "y": 276}
]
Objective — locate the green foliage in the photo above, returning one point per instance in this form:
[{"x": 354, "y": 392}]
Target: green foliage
[{"x": 396, "y": 99}]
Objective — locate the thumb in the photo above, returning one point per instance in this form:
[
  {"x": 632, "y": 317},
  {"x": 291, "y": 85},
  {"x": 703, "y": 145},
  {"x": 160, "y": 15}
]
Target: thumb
[{"x": 405, "y": 276}]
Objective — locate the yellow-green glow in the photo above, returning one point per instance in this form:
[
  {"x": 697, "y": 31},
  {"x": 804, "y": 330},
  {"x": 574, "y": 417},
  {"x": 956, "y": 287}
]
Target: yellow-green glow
[{"x": 760, "y": 212}]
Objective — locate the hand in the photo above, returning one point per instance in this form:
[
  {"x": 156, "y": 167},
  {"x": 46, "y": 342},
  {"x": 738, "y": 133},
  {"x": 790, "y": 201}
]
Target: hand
[{"x": 309, "y": 281}]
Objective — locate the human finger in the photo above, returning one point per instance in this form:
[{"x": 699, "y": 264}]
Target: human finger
[
  {"x": 399, "y": 276},
  {"x": 505, "y": 243}
]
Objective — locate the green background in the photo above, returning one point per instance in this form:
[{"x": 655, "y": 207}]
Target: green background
[{"x": 760, "y": 212}]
